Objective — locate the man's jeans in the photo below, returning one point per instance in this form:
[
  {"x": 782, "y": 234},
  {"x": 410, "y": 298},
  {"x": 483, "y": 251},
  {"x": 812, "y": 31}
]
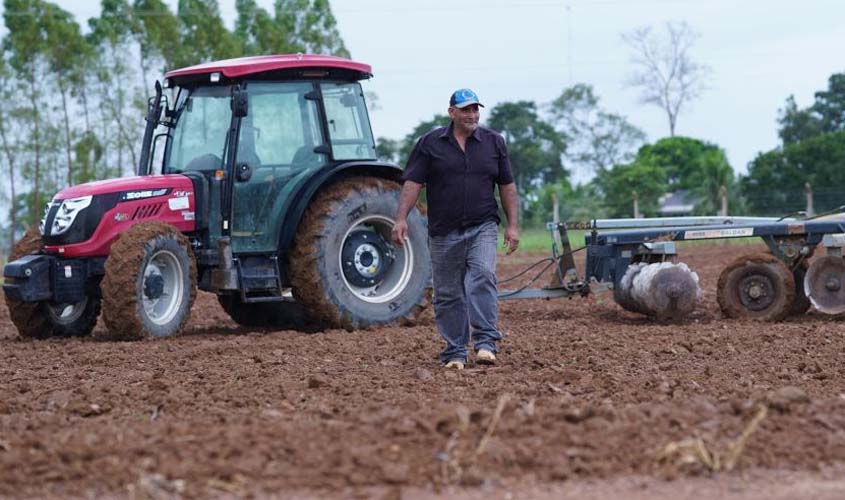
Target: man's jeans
[{"x": 464, "y": 272}]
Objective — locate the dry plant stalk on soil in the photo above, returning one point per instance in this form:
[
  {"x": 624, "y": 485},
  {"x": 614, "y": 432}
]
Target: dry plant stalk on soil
[{"x": 694, "y": 451}]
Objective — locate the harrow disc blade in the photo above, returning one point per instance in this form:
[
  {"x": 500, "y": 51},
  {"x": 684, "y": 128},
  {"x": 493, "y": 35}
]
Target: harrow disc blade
[{"x": 824, "y": 284}]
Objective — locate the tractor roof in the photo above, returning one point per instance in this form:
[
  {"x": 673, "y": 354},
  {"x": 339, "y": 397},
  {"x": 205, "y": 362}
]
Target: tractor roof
[{"x": 247, "y": 66}]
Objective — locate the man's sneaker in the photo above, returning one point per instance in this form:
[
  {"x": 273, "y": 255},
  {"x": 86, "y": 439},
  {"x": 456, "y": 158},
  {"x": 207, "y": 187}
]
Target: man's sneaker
[
  {"x": 455, "y": 365},
  {"x": 485, "y": 357}
]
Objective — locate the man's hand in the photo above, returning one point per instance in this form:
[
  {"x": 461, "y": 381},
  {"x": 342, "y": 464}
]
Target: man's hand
[
  {"x": 511, "y": 240},
  {"x": 400, "y": 232}
]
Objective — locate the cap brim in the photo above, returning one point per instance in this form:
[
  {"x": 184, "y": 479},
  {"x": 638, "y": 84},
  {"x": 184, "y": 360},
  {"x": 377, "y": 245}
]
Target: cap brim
[{"x": 468, "y": 103}]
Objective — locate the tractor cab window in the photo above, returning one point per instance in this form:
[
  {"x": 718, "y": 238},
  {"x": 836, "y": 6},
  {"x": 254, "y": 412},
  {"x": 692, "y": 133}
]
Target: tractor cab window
[
  {"x": 348, "y": 122},
  {"x": 199, "y": 138}
]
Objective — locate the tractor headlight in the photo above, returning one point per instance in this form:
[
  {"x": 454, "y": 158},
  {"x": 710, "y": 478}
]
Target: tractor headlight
[{"x": 68, "y": 210}]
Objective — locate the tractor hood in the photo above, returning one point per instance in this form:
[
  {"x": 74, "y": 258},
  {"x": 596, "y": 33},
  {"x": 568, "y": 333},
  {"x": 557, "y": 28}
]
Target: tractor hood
[
  {"x": 84, "y": 220},
  {"x": 125, "y": 184}
]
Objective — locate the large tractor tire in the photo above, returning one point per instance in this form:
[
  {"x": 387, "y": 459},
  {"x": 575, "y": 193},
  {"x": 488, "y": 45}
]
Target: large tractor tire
[
  {"x": 757, "y": 286},
  {"x": 277, "y": 315},
  {"x": 41, "y": 320},
  {"x": 150, "y": 282},
  {"x": 344, "y": 268}
]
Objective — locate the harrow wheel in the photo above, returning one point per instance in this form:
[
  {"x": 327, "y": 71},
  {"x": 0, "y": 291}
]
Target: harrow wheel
[
  {"x": 824, "y": 284},
  {"x": 757, "y": 286}
]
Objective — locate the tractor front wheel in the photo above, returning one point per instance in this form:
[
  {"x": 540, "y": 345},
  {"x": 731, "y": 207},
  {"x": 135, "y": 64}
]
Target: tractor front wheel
[
  {"x": 41, "y": 320},
  {"x": 150, "y": 282},
  {"x": 345, "y": 270}
]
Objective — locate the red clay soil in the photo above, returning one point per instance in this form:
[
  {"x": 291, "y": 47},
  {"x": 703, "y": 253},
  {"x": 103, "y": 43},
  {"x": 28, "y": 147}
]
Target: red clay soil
[{"x": 583, "y": 401}]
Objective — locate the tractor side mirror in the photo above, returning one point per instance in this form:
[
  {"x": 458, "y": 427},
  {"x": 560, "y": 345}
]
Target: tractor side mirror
[
  {"x": 240, "y": 102},
  {"x": 243, "y": 172}
]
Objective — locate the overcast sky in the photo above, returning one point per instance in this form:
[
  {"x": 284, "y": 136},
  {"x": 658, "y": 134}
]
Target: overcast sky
[{"x": 760, "y": 52}]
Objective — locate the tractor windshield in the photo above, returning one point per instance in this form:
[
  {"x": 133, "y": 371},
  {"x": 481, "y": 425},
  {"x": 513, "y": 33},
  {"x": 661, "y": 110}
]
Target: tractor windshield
[
  {"x": 199, "y": 138},
  {"x": 348, "y": 123}
]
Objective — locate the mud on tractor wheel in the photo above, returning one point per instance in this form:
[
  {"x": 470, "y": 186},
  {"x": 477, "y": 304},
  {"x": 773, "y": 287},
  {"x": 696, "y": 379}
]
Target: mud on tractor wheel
[
  {"x": 344, "y": 268},
  {"x": 150, "y": 282},
  {"x": 757, "y": 286},
  {"x": 40, "y": 320}
]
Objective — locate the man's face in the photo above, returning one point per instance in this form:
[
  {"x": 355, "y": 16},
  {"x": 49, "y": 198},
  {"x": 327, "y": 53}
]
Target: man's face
[{"x": 465, "y": 119}]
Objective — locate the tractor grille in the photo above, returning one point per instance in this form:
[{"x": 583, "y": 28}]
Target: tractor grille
[{"x": 146, "y": 211}]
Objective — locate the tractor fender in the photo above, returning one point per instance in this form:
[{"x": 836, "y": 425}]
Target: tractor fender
[{"x": 296, "y": 204}]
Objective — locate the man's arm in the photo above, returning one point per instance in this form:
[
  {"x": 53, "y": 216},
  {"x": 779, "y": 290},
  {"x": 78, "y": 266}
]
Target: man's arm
[
  {"x": 407, "y": 200},
  {"x": 510, "y": 203}
]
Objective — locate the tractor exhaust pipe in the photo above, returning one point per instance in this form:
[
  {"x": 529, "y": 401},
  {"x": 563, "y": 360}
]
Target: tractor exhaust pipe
[{"x": 153, "y": 115}]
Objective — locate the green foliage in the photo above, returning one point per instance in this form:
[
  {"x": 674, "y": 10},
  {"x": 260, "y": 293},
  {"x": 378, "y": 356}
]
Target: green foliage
[
  {"x": 825, "y": 115},
  {"x": 387, "y": 149},
  {"x": 596, "y": 140},
  {"x": 204, "y": 37},
  {"x": 534, "y": 147},
  {"x": 424, "y": 127},
  {"x": 775, "y": 180},
  {"x": 646, "y": 179},
  {"x": 295, "y": 26}
]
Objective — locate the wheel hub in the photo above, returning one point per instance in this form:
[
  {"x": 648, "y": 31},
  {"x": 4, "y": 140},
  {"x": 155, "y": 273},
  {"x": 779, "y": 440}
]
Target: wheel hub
[
  {"x": 756, "y": 292},
  {"x": 823, "y": 284},
  {"x": 154, "y": 286},
  {"x": 366, "y": 258}
]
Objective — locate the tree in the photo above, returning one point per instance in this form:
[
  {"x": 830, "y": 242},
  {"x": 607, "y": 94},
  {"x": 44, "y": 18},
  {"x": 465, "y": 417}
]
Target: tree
[
  {"x": 595, "y": 139},
  {"x": 424, "y": 127},
  {"x": 665, "y": 72},
  {"x": 699, "y": 167},
  {"x": 620, "y": 183},
  {"x": 797, "y": 124},
  {"x": 775, "y": 181},
  {"x": 534, "y": 147},
  {"x": 295, "y": 26},
  {"x": 825, "y": 115},
  {"x": 387, "y": 149},
  {"x": 203, "y": 36}
]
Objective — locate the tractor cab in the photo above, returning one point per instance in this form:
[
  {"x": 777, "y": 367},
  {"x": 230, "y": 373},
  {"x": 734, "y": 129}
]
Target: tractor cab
[{"x": 260, "y": 127}]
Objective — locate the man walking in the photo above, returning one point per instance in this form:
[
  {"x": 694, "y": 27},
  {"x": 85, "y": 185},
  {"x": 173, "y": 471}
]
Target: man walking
[{"x": 460, "y": 165}]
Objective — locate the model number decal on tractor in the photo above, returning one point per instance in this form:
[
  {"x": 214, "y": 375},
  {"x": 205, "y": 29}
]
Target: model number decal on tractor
[
  {"x": 141, "y": 195},
  {"x": 738, "y": 232}
]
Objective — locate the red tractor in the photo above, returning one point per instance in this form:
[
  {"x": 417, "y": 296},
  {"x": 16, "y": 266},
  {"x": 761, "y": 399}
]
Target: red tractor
[{"x": 258, "y": 181}]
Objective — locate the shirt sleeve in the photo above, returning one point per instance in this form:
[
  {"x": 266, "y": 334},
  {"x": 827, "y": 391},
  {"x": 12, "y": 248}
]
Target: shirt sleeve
[
  {"x": 505, "y": 175},
  {"x": 419, "y": 160}
]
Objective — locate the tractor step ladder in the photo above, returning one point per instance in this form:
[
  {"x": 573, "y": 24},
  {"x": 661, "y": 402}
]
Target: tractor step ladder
[{"x": 259, "y": 279}]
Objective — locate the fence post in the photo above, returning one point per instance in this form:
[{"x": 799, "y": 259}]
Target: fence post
[
  {"x": 808, "y": 192},
  {"x": 636, "y": 198},
  {"x": 556, "y": 219},
  {"x": 723, "y": 195}
]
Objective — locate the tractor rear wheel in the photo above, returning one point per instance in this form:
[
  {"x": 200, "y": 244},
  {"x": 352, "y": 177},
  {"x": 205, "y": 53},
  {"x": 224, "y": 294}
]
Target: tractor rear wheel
[
  {"x": 41, "y": 320},
  {"x": 150, "y": 282},
  {"x": 757, "y": 286},
  {"x": 279, "y": 315},
  {"x": 344, "y": 268}
]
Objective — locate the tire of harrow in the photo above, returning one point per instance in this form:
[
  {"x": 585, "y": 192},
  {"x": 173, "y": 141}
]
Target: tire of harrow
[
  {"x": 314, "y": 259},
  {"x": 123, "y": 283},
  {"x": 769, "y": 268},
  {"x": 801, "y": 303},
  {"x": 278, "y": 315}
]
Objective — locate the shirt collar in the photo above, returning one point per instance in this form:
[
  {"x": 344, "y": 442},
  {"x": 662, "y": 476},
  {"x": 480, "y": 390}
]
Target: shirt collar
[{"x": 449, "y": 132}]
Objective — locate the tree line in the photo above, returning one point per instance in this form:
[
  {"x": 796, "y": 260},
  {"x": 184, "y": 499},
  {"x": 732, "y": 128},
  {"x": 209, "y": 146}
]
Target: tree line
[
  {"x": 548, "y": 141},
  {"x": 73, "y": 99}
]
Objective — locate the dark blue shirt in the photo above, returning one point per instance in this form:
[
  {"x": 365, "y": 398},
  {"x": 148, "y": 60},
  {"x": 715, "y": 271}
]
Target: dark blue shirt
[{"x": 459, "y": 185}]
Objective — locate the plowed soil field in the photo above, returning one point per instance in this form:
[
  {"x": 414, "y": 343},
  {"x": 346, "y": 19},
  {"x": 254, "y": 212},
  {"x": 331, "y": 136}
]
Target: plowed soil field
[{"x": 587, "y": 401}]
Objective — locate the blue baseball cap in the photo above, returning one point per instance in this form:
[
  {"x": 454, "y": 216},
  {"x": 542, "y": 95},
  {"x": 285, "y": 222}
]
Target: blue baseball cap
[{"x": 462, "y": 98}]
